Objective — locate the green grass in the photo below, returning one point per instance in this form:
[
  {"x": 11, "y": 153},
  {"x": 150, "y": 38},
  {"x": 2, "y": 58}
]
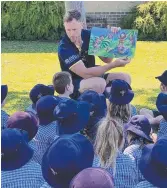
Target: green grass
[
  {"x": 28, "y": 47},
  {"x": 21, "y": 71}
]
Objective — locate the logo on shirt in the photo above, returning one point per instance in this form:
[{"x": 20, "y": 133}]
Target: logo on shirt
[{"x": 72, "y": 59}]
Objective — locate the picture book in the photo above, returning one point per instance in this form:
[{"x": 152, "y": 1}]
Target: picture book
[{"x": 105, "y": 43}]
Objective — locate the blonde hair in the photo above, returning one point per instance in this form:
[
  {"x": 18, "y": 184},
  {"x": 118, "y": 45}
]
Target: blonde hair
[
  {"x": 121, "y": 113},
  {"x": 109, "y": 139}
]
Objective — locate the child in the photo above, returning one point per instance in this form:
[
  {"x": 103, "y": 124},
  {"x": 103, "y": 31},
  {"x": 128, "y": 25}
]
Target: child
[
  {"x": 27, "y": 122},
  {"x": 161, "y": 104},
  {"x": 108, "y": 145},
  {"x": 17, "y": 168},
  {"x": 4, "y": 115},
  {"x": 138, "y": 135},
  {"x": 63, "y": 85},
  {"x": 155, "y": 116},
  {"x": 119, "y": 106},
  {"x": 36, "y": 93},
  {"x": 71, "y": 116},
  {"x": 153, "y": 164},
  {"x": 92, "y": 178},
  {"x": 67, "y": 156},
  {"x": 47, "y": 130},
  {"x": 98, "y": 111}
]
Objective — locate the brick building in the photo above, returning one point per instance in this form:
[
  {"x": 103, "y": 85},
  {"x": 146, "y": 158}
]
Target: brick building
[{"x": 102, "y": 13}]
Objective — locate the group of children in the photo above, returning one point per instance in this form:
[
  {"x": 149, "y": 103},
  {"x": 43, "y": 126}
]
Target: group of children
[{"x": 96, "y": 141}]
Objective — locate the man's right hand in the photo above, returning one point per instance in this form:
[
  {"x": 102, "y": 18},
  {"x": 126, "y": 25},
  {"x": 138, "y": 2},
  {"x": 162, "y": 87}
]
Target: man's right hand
[{"x": 121, "y": 62}]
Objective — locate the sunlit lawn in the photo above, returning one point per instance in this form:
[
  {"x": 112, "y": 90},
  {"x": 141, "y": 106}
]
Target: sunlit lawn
[{"x": 21, "y": 71}]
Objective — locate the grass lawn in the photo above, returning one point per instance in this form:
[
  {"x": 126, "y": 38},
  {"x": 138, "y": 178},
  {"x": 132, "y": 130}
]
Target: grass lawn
[{"x": 25, "y": 64}]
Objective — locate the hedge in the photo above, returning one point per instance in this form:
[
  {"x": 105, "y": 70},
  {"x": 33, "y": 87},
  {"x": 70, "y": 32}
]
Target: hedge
[
  {"x": 35, "y": 20},
  {"x": 150, "y": 19}
]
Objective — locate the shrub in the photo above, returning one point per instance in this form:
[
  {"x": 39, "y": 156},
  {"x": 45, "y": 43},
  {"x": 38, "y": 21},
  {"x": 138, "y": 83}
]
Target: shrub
[
  {"x": 35, "y": 20},
  {"x": 150, "y": 19}
]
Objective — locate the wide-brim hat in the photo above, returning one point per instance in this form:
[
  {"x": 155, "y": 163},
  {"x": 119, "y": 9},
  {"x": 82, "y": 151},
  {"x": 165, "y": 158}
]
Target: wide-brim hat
[
  {"x": 72, "y": 116},
  {"x": 161, "y": 104},
  {"x": 97, "y": 102},
  {"x": 25, "y": 121},
  {"x": 92, "y": 178},
  {"x": 153, "y": 163},
  {"x": 140, "y": 128},
  {"x": 67, "y": 156},
  {"x": 15, "y": 151},
  {"x": 40, "y": 90},
  {"x": 163, "y": 78},
  {"x": 121, "y": 92},
  {"x": 4, "y": 92},
  {"x": 45, "y": 107}
]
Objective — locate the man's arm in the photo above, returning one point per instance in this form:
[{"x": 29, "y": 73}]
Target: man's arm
[{"x": 80, "y": 69}]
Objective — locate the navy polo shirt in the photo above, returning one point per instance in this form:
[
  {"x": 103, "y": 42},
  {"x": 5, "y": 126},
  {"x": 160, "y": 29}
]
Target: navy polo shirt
[{"x": 69, "y": 54}]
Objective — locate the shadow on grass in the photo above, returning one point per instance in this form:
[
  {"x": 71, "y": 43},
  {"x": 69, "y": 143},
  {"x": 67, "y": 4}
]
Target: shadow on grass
[{"x": 19, "y": 101}]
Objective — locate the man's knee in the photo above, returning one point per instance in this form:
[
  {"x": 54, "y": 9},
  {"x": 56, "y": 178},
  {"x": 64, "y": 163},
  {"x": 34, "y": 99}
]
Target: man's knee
[
  {"x": 96, "y": 84},
  {"x": 122, "y": 76}
]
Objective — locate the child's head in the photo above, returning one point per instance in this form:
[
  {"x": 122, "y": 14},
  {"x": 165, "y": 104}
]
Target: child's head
[
  {"x": 139, "y": 129},
  {"x": 39, "y": 91},
  {"x": 62, "y": 83},
  {"x": 121, "y": 95},
  {"x": 163, "y": 80},
  {"x": 109, "y": 139},
  {"x": 161, "y": 104},
  {"x": 4, "y": 92}
]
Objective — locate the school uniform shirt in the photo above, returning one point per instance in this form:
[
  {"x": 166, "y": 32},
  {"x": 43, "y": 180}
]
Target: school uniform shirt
[
  {"x": 96, "y": 163},
  {"x": 44, "y": 138},
  {"x": 4, "y": 119},
  {"x": 125, "y": 176},
  {"x": 133, "y": 110},
  {"x": 135, "y": 150},
  {"x": 31, "y": 109},
  {"x": 145, "y": 184},
  {"x": 162, "y": 128},
  {"x": 28, "y": 176},
  {"x": 45, "y": 185}
]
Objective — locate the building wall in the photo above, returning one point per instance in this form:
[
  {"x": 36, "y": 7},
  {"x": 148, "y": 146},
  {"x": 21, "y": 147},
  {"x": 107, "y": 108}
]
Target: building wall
[{"x": 103, "y": 13}]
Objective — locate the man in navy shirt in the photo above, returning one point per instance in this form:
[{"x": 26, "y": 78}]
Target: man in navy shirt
[{"x": 74, "y": 58}]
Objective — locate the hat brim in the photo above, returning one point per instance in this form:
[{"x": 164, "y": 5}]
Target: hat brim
[
  {"x": 80, "y": 122},
  {"x": 122, "y": 100},
  {"x": 23, "y": 156},
  {"x": 149, "y": 171},
  {"x": 139, "y": 133},
  {"x": 162, "y": 80}
]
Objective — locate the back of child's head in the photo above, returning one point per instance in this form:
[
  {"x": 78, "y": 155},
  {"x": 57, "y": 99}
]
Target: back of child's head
[
  {"x": 121, "y": 113},
  {"x": 109, "y": 139},
  {"x": 60, "y": 81},
  {"x": 121, "y": 95},
  {"x": 40, "y": 90}
]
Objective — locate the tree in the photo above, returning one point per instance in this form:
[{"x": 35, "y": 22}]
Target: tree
[{"x": 78, "y": 5}]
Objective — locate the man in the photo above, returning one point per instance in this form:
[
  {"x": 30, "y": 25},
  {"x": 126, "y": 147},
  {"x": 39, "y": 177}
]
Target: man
[{"x": 74, "y": 58}]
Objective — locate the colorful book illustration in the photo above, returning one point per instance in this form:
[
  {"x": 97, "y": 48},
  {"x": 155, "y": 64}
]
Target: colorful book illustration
[{"x": 105, "y": 43}]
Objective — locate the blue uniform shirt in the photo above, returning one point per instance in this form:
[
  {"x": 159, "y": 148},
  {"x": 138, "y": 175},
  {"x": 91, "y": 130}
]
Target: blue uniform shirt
[{"x": 69, "y": 55}]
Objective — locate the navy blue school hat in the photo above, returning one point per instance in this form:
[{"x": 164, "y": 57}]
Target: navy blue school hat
[
  {"x": 15, "y": 151},
  {"x": 67, "y": 156}
]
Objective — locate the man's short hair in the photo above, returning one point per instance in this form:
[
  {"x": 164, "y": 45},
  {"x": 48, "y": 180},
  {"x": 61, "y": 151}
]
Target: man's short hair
[
  {"x": 72, "y": 14},
  {"x": 60, "y": 81}
]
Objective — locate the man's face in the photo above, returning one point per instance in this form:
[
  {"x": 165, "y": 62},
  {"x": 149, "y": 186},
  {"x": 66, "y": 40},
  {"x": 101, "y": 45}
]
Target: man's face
[
  {"x": 163, "y": 88},
  {"x": 73, "y": 30}
]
